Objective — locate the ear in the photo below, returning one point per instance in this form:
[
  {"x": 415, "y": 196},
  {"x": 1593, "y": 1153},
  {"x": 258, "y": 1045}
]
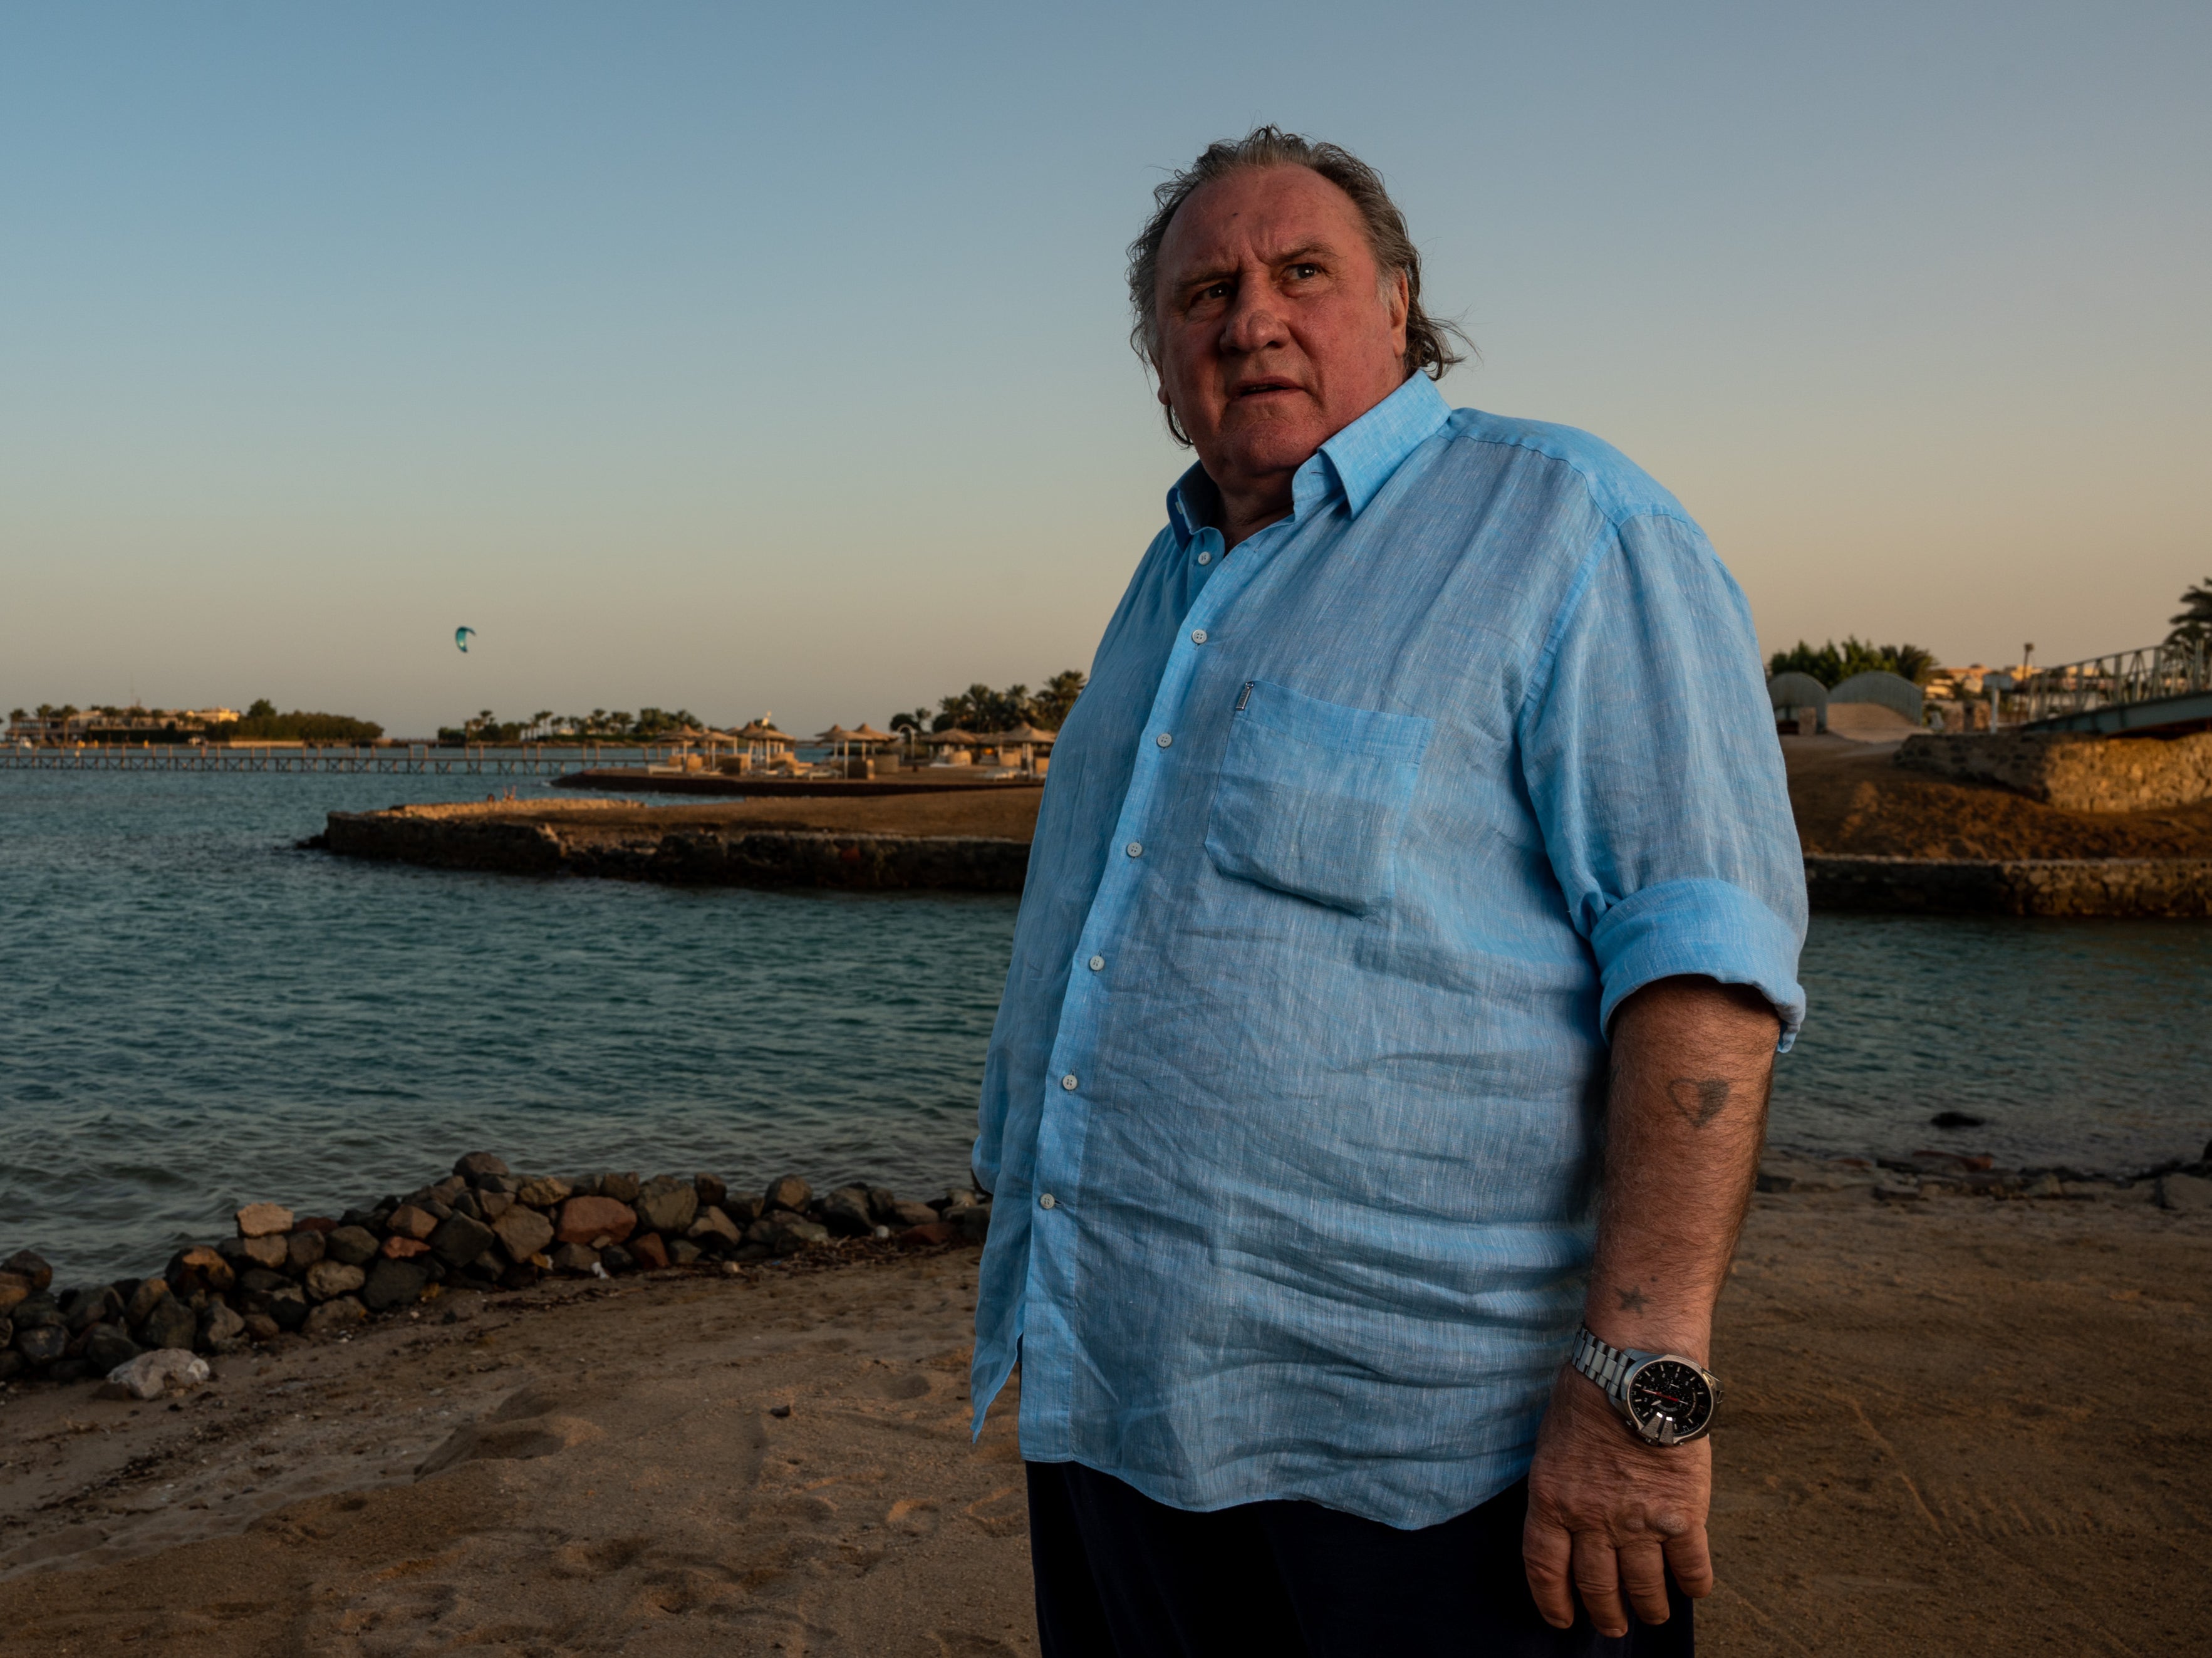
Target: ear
[{"x": 1401, "y": 305}]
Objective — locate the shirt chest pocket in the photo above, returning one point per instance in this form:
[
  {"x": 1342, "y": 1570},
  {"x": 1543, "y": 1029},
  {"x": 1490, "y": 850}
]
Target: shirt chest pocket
[{"x": 1312, "y": 796}]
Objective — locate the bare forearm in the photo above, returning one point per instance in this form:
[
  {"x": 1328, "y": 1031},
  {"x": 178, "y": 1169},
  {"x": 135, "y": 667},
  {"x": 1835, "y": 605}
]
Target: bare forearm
[{"x": 1692, "y": 1063}]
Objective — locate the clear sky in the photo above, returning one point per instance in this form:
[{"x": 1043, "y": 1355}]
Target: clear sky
[{"x": 746, "y": 359}]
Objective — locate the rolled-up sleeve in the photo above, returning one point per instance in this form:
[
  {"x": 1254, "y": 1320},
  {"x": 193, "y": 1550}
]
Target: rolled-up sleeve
[{"x": 1649, "y": 752}]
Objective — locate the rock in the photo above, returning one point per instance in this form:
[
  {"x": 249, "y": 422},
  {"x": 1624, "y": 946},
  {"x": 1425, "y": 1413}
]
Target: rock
[
  {"x": 413, "y": 1220},
  {"x": 42, "y": 1343},
  {"x": 790, "y": 1192},
  {"x": 14, "y": 1287},
  {"x": 477, "y": 1166},
  {"x": 6, "y": 1334},
  {"x": 460, "y": 1240},
  {"x": 585, "y": 1220},
  {"x": 31, "y": 1268},
  {"x": 490, "y": 1205},
  {"x": 615, "y": 1258},
  {"x": 923, "y": 1234},
  {"x": 327, "y": 1280},
  {"x": 37, "y": 1311},
  {"x": 288, "y": 1305},
  {"x": 302, "y": 1250},
  {"x": 448, "y": 1189},
  {"x": 712, "y": 1189},
  {"x": 467, "y": 1204},
  {"x": 522, "y": 1231},
  {"x": 191, "y": 1270},
  {"x": 351, "y": 1245},
  {"x": 96, "y": 1304},
  {"x": 264, "y": 1221},
  {"x": 106, "y": 1345},
  {"x": 269, "y": 1251},
  {"x": 904, "y": 1213},
  {"x": 2186, "y": 1194},
  {"x": 168, "y": 1323},
  {"x": 487, "y": 1267},
  {"x": 322, "y": 1223},
  {"x": 340, "y": 1313},
  {"x": 787, "y": 1234},
  {"x": 845, "y": 1212},
  {"x": 1957, "y": 1119},
  {"x": 2044, "y": 1185},
  {"x": 956, "y": 1197},
  {"x": 743, "y": 1209},
  {"x": 575, "y": 1258},
  {"x": 397, "y": 1248},
  {"x": 971, "y": 1221},
  {"x": 259, "y": 1326},
  {"x": 665, "y": 1204},
  {"x": 649, "y": 1251},
  {"x": 69, "y": 1370},
  {"x": 681, "y": 1251},
  {"x": 622, "y": 1188},
  {"x": 221, "y": 1329},
  {"x": 713, "y": 1224},
  {"x": 142, "y": 1301},
  {"x": 460, "y": 1308},
  {"x": 545, "y": 1191},
  {"x": 393, "y": 1283},
  {"x": 12, "y": 1364},
  {"x": 152, "y": 1374}
]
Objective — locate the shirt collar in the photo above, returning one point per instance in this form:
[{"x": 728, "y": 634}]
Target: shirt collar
[{"x": 1362, "y": 457}]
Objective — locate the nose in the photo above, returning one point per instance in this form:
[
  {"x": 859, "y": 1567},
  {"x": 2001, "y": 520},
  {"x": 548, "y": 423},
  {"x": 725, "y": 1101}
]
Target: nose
[{"x": 1253, "y": 324}]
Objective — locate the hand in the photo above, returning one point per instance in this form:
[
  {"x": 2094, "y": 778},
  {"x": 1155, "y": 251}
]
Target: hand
[{"x": 1608, "y": 1514}]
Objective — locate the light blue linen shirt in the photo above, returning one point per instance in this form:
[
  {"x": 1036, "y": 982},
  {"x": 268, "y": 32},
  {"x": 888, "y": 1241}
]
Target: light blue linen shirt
[{"x": 1351, "y": 847}]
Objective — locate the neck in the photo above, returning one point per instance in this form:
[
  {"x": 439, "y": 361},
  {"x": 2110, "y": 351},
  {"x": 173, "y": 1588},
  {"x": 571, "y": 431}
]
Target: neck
[{"x": 1249, "y": 505}]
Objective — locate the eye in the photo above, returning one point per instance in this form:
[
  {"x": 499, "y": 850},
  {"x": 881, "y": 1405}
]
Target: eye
[{"x": 1305, "y": 272}]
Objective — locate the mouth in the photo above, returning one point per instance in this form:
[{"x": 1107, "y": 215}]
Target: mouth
[{"x": 1258, "y": 389}]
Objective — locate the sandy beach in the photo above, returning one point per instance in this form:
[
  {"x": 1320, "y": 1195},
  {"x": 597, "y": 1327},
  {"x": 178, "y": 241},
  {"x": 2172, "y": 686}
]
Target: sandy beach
[{"x": 1956, "y": 1425}]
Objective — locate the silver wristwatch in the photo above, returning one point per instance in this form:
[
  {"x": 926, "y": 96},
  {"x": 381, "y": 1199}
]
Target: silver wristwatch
[{"x": 1666, "y": 1398}]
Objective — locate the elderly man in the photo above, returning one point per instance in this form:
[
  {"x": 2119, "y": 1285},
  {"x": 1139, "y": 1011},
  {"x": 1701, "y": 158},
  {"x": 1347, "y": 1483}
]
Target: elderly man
[{"x": 1412, "y": 920}]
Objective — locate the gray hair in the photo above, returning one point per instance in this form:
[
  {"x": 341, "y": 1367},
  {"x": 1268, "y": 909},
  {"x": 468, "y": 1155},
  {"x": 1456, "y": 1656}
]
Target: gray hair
[{"x": 1429, "y": 340}]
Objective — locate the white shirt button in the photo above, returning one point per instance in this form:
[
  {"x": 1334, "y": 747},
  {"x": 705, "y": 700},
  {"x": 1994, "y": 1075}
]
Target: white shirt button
[
  {"x": 1068, "y": 1082},
  {"x": 1205, "y": 558},
  {"x": 1164, "y": 741},
  {"x": 1046, "y": 1200},
  {"x": 1135, "y": 848},
  {"x": 1198, "y": 636},
  {"x": 1098, "y": 963}
]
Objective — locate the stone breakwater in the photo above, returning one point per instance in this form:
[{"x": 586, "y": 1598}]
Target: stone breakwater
[
  {"x": 2021, "y": 886},
  {"x": 705, "y": 856},
  {"x": 288, "y": 1277}
]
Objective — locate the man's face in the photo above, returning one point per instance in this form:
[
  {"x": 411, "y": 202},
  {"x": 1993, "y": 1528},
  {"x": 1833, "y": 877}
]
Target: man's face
[{"x": 1276, "y": 330}]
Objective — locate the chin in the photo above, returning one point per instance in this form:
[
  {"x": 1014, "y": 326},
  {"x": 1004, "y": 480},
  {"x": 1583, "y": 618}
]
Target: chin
[{"x": 1265, "y": 442}]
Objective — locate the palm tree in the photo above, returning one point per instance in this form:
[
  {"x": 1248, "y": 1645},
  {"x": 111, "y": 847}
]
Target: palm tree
[{"x": 2192, "y": 623}]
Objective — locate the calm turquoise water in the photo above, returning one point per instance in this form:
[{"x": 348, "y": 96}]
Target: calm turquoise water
[{"x": 193, "y": 1016}]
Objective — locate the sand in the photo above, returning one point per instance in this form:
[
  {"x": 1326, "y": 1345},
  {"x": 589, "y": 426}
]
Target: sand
[
  {"x": 1954, "y": 1425},
  {"x": 1849, "y": 798}
]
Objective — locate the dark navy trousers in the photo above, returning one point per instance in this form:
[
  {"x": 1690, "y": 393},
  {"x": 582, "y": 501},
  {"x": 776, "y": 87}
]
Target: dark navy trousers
[{"x": 1119, "y": 1576}]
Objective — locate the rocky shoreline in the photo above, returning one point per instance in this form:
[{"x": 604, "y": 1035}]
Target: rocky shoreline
[
  {"x": 284, "y": 1277},
  {"x": 2014, "y": 887}
]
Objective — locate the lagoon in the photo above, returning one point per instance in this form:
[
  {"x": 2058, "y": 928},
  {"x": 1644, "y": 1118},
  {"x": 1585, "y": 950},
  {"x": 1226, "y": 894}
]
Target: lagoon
[{"x": 195, "y": 1015}]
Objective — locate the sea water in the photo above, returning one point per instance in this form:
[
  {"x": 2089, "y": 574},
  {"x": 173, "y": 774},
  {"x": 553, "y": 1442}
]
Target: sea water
[{"x": 195, "y": 1015}]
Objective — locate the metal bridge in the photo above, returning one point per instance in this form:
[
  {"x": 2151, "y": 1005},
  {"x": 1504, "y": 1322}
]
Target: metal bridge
[
  {"x": 2166, "y": 689},
  {"x": 413, "y": 761}
]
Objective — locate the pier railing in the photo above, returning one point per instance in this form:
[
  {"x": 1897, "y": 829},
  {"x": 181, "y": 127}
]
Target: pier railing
[
  {"x": 416, "y": 759},
  {"x": 2126, "y": 678}
]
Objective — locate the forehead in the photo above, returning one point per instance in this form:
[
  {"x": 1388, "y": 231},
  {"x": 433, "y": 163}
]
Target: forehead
[{"x": 1260, "y": 213}]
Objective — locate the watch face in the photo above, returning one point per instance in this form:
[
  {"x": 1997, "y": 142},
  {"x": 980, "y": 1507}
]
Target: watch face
[{"x": 1668, "y": 1388}]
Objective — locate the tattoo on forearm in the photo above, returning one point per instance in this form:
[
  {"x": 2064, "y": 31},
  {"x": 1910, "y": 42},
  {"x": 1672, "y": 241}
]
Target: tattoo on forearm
[
  {"x": 1700, "y": 1102},
  {"x": 1632, "y": 1299}
]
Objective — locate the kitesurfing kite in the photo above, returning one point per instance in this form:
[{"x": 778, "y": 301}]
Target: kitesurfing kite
[{"x": 461, "y": 637}]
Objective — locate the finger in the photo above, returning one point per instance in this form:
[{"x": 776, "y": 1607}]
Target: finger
[
  {"x": 1689, "y": 1557},
  {"x": 1643, "y": 1573},
  {"x": 1597, "y": 1580},
  {"x": 1546, "y": 1554}
]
